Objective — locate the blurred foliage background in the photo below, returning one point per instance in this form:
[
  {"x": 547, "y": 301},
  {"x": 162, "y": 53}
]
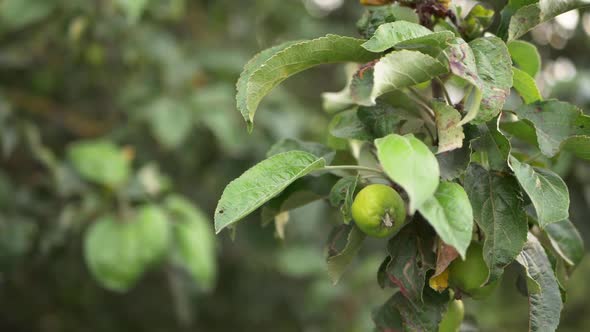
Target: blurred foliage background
[{"x": 154, "y": 80}]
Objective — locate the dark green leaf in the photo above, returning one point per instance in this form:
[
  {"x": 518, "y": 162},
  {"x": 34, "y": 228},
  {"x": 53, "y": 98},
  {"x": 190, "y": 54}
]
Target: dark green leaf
[
  {"x": 546, "y": 305},
  {"x": 491, "y": 149},
  {"x": 342, "y": 195},
  {"x": 498, "y": 209},
  {"x": 347, "y": 125},
  {"x": 383, "y": 119},
  {"x": 522, "y": 130},
  {"x": 421, "y": 317},
  {"x": 453, "y": 163},
  {"x": 338, "y": 261},
  {"x": 554, "y": 122},
  {"x": 387, "y": 318},
  {"x": 408, "y": 265}
]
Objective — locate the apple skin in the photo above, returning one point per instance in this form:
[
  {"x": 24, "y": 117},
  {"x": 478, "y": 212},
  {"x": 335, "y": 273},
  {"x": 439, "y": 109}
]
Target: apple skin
[
  {"x": 470, "y": 274},
  {"x": 379, "y": 211},
  {"x": 452, "y": 319}
]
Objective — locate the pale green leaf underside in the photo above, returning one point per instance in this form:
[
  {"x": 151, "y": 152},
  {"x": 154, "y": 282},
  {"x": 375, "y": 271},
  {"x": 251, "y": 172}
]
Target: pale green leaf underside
[
  {"x": 450, "y": 214},
  {"x": 544, "y": 306},
  {"x": 390, "y": 34},
  {"x": 292, "y": 60},
  {"x": 262, "y": 182},
  {"x": 401, "y": 69},
  {"x": 450, "y": 133},
  {"x": 526, "y": 86},
  {"x": 409, "y": 163},
  {"x": 498, "y": 209},
  {"x": 546, "y": 190}
]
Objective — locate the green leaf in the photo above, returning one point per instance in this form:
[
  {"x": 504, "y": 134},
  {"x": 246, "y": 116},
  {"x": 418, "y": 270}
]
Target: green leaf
[
  {"x": 253, "y": 65},
  {"x": 450, "y": 133},
  {"x": 546, "y": 190},
  {"x": 390, "y": 34},
  {"x": 554, "y": 122},
  {"x": 270, "y": 68},
  {"x": 100, "y": 161},
  {"x": 170, "y": 121},
  {"x": 16, "y": 14},
  {"x": 118, "y": 251},
  {"x": 133, "y": 8},
  {"x": 478, "y": 20},
  {"x": 566, "y": 241},
  {"x": 347, "y": 125},
  {"x": 546, "y": 305},
  {"x": 522, "y": 130},
  {"x": 342, "y": 196},
  {"x": 527, "y": 17},
  {"x": 525, "y": 56},
  {"x": 498, "y": 209},
  {"x": 397, "y": 70},
  {"x": 491, "y": 148},
  {"x": 450, "y": 214},
  {"x": 526, "y": 86},
  {"x": 494, "y": 68},
  {"x": 194, "y": 241},
  {"x": 261, "y": 183},
  {"x": 338, "y": 261},
  {"x": 409, "y": 163},
  {"x": 375, "y": 16}
]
